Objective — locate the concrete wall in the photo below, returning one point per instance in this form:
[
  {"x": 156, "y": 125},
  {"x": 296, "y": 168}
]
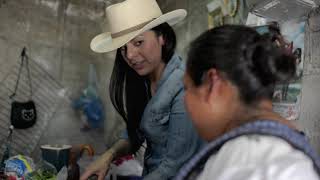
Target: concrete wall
[
  {"x": 194, "y": 24},
  {"x": 57, "y": 34},
  {"x": 309, "y": 119}
]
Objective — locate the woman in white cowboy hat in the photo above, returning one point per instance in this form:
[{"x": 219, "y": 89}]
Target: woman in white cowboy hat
[{"x": 146, "y": 89}]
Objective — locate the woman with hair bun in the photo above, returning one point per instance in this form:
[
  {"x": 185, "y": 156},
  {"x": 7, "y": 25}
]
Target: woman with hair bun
[{"x": 230, "y": 76}]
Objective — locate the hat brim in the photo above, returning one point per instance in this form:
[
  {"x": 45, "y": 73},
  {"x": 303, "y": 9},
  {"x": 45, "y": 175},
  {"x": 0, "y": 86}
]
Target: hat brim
[{"x": 105, "y": 43}]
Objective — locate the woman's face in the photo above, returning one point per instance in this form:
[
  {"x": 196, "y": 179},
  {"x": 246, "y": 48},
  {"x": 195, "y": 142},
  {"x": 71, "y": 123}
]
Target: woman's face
[
  {"x": 210, "y": 105},
  {"x": 195, "y": 105},
  {"x": 143, "y": 53}
]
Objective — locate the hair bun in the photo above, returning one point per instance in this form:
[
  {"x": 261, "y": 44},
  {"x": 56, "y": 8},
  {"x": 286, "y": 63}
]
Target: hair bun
[{"x": 270, "y": 63}]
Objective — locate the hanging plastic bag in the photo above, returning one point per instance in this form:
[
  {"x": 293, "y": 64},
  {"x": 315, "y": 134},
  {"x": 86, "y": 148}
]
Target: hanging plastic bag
[
  {"x": 94, "y": 112},
  {"x": 89, "y": 102}
]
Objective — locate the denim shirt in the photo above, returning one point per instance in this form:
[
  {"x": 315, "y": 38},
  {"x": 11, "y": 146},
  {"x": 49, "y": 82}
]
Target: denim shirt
[{"x": 170, "y": 135}]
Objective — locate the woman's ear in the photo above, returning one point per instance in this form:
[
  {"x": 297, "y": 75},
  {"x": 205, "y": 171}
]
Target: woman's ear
[
  {"x": 213, "y": 80},
  {"x": 161, "y": 40}
]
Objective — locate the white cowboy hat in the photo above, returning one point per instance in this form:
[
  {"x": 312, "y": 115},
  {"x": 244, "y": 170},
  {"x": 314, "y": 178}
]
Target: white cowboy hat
[{"x": 130, "y": 18}]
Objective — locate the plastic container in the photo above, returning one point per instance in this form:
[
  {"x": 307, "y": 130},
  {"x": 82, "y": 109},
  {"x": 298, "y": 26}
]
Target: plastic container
[{"x": 58, "y": 155}]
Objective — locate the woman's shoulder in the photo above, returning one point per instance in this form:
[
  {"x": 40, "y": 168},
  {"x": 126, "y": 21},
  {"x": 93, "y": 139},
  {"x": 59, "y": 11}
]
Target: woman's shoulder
[
  {"x": 259, "y": 147},
  {"x": 173, "y": 77},
  {"x": 254, "y": 155}
]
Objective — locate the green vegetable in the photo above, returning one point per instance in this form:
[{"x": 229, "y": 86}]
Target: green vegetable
[{"x": 41, "y": 175}]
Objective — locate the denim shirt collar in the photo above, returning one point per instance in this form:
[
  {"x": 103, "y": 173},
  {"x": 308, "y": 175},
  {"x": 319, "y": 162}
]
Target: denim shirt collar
[{"x": 174, "y": 63}]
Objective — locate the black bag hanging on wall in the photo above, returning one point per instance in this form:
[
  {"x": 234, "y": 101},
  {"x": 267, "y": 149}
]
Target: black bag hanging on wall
[{"x": 23, "y": 114}]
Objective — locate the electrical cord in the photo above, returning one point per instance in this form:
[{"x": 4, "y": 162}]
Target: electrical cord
[{"x": 7, "y": 149}]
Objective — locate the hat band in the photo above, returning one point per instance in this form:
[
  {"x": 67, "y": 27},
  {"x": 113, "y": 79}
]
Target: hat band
[{"x": 132, "y": 29}]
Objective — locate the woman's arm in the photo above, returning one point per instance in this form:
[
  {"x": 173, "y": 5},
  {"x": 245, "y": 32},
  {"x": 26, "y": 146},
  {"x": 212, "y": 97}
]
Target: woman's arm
[
  {"x": 121, "y": 148},
  {"x": 101, "y": 165}
]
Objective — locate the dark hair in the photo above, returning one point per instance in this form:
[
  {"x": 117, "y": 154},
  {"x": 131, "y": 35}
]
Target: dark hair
[
  {"x": 170, "y": 40},
  {"x": 129, "y": 92},
  {"x": 250, "y": 61}
]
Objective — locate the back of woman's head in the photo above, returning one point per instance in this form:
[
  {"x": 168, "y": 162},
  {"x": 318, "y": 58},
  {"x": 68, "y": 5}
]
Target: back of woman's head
[{"x": 249, "y": 60}]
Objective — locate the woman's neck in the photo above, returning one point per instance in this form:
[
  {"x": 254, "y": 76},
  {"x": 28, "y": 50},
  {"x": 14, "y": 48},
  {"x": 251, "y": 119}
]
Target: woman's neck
[
  {"x": 155, "y": 77},
  {"x": 261, "y": 111}
]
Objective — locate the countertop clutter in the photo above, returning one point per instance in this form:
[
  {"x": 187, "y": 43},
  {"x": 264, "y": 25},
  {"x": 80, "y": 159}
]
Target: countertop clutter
[{"x": 58, "y": 162}]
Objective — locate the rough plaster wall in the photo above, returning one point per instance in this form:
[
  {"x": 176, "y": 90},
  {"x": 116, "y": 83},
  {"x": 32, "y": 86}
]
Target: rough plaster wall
[
  {"x": 317, "y": 2},
  {"x": 57, "y": 34},
  {"x": 309, "y": 119},
  {"x": 196, "y": 22}
]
